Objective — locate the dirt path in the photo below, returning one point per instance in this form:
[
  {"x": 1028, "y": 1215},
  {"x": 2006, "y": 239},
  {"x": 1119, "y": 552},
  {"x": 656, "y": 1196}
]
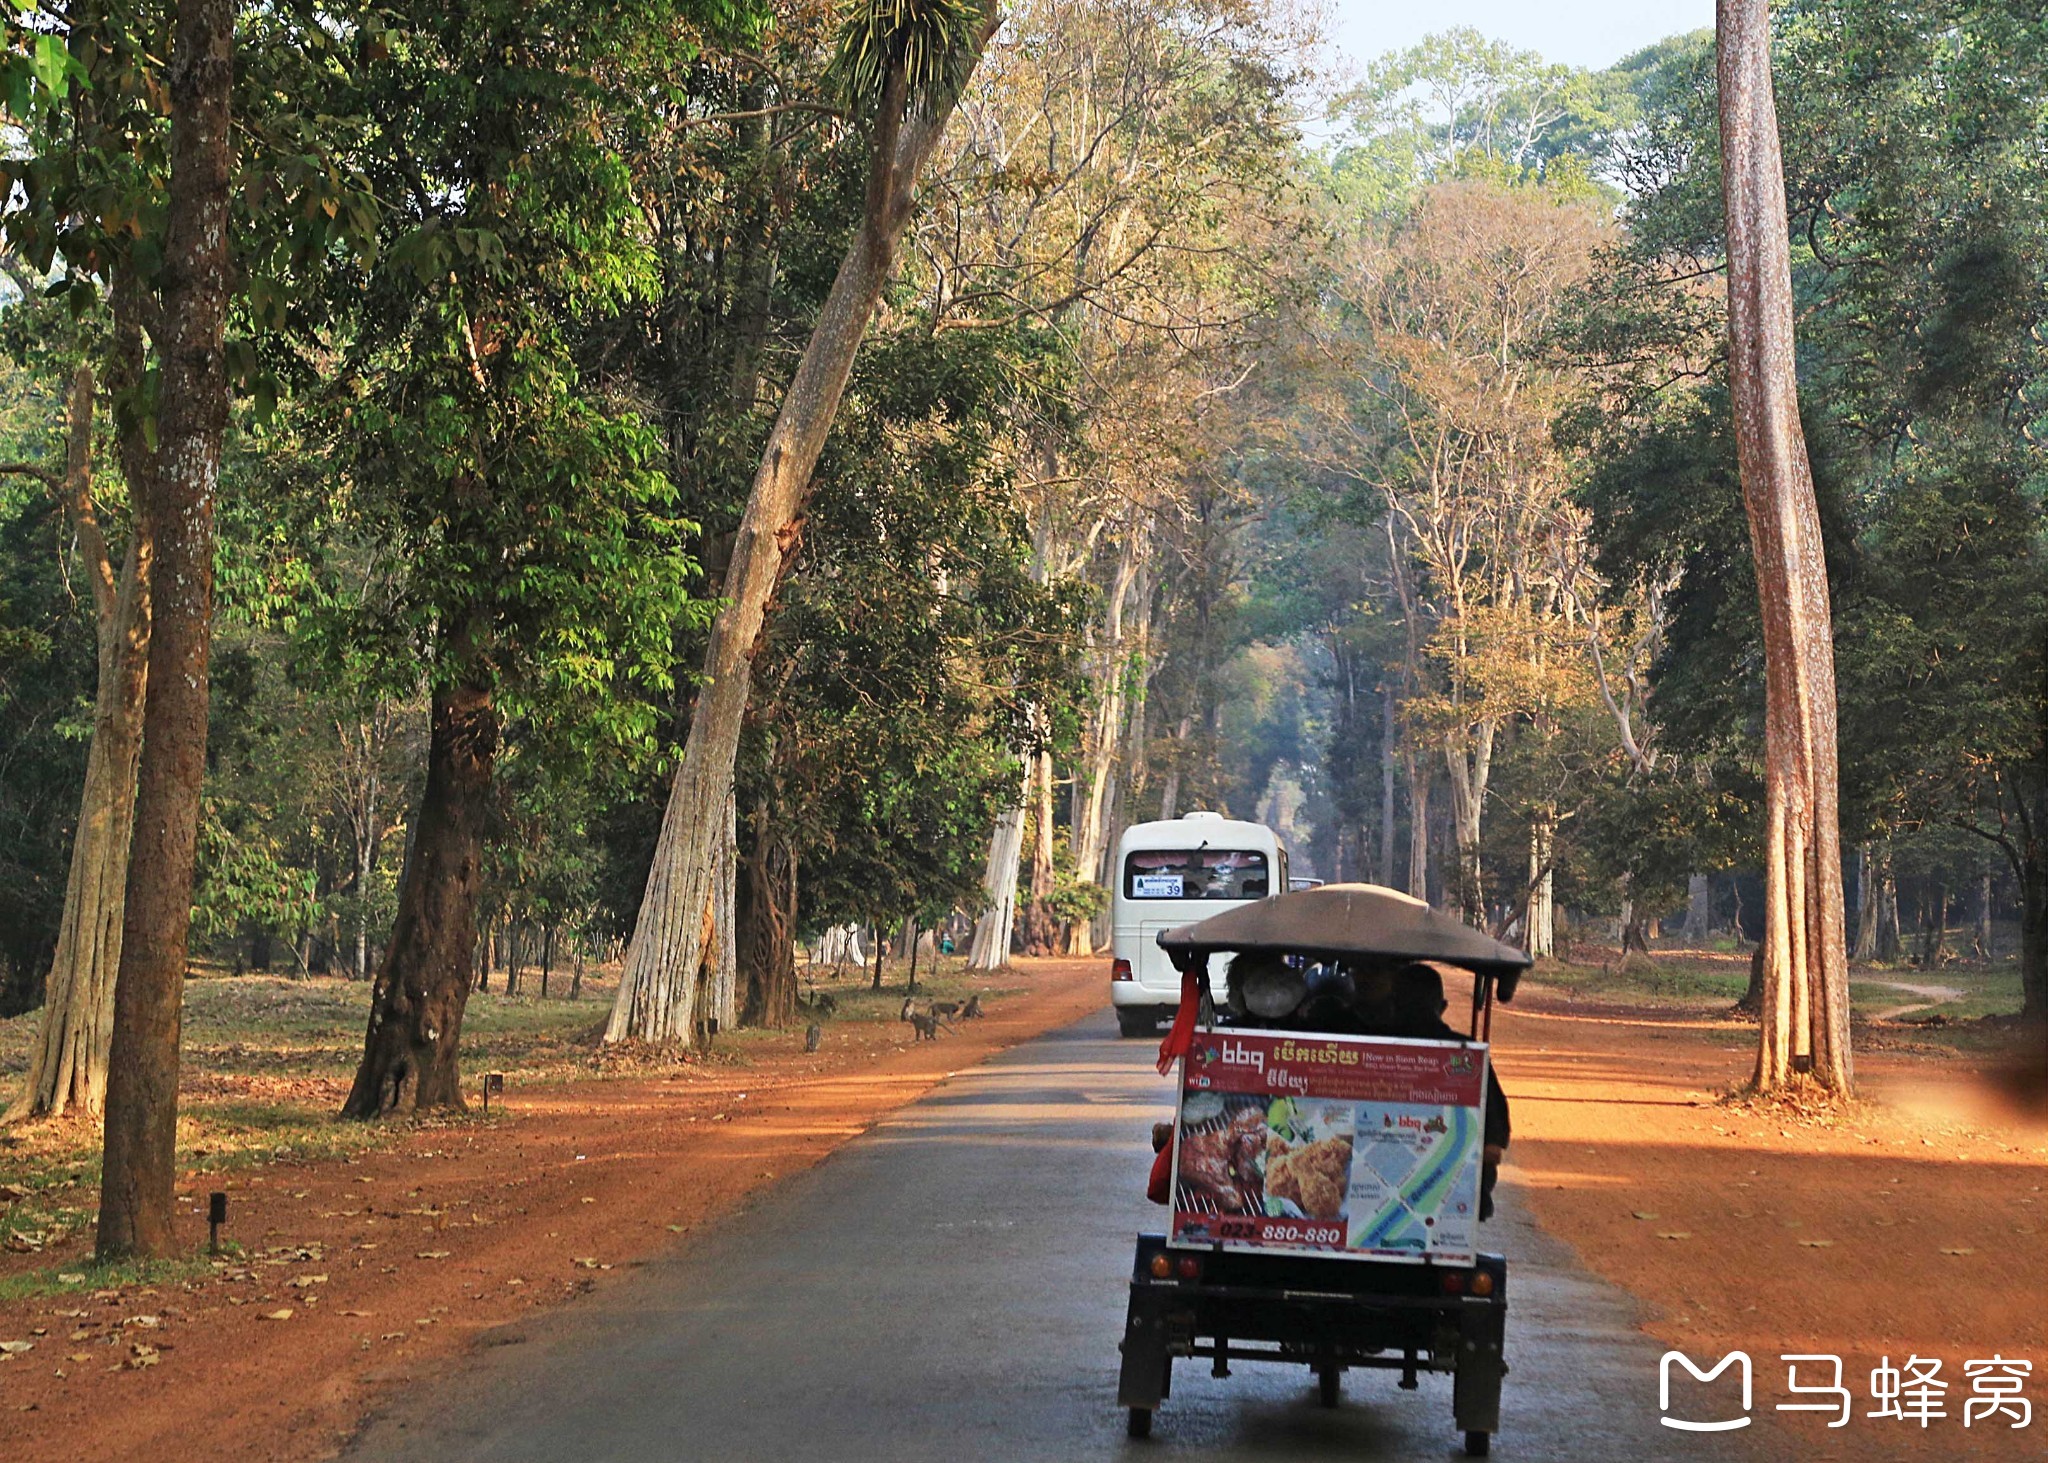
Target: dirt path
[
  {"x": 1911, "y": 1225},
  {"x": 1930, "y": 996},
  {"x": 358, "y": 1276}
]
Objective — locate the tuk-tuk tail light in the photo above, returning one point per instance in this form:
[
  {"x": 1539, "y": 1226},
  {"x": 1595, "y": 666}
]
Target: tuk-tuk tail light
[
  {"x": 1454, "y": 1282},
  {"x": 1162, "y": 1266},
  {"x": 1482, "y": 1283},
  {"x": 1188, "y": 1267}
]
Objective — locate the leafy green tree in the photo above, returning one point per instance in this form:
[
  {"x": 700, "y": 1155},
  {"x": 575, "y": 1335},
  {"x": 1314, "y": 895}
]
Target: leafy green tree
[
  {"x": 533, "y": 564},
  {"x": 901, "y": 65},
  {"x": 1916, "y": 233},
  {"x": 910, "y": 644}
]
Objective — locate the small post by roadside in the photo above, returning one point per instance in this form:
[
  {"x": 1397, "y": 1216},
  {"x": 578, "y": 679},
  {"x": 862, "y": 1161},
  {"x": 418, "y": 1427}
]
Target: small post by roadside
[
  {"x": 216, "y": 1216},
  {"x": 494, "y": 1086}
]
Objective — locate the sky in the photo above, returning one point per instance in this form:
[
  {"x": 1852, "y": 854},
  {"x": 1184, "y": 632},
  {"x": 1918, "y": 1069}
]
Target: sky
[{"x": 1590, "y": 33}]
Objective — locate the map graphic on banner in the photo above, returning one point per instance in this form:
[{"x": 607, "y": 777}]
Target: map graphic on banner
[{"x": 1368, "y": 1147}]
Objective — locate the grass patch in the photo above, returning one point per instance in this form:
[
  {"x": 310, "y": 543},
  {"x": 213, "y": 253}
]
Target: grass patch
[
  {"x": 87, "y": 1276},
  {"x": 851, "y": 987},
  {"x": 1645, "y": 982},
  {"x": 267, "y": 1061},
  {"x": 1986, "y": 990},
  {"x": 1698, "y": 987}
]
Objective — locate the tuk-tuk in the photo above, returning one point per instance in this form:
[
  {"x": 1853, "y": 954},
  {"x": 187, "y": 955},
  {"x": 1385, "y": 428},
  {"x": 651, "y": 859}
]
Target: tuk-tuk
[{"x": 1325, "y": 1188}]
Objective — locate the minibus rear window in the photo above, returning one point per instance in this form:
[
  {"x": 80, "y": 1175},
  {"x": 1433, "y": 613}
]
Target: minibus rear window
[{"x": 1203, "y": 873}]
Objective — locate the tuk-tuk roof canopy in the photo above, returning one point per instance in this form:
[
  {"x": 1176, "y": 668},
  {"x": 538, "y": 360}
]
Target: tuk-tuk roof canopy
[{"x": 1338, "y": 921}]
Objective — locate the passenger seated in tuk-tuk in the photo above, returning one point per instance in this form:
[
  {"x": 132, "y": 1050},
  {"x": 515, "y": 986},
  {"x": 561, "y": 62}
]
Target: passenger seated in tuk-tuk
[{"x": 1418, "y": 1011}]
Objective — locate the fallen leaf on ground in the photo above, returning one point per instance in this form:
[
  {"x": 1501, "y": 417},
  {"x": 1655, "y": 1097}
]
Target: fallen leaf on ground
[
  {"x": 355, "y": 1313},
  {"x": 283, "y": 1315},
  {"x": 1645, "y": 1213},
  {"x": 15, "y": 1348},
  {"x": 1818, "y": 1244},
  {"x": 432, "y": 1255},
  {"x": 300, "y": 1282},
  {"x": 1959, "y": 1250},
  {"x": 1675, "y": 1234}
]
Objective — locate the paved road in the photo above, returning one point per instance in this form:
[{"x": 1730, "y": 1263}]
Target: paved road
[{"x": 952, "y": 1287}]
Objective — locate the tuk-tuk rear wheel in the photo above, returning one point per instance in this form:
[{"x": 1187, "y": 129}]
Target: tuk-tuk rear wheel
[
  {"x": 1140, "y": 1424},
  {"x": 1477, "y": 1445}
]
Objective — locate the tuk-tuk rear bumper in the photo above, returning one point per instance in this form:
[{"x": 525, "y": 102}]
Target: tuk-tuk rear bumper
[{"x": 1325, "y": 1313}]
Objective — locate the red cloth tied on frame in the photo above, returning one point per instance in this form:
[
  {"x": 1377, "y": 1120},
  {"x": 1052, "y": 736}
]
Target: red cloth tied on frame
[
  {"x": 1180, "y": 1039},
  {"x": 1158, "y": 1188}
]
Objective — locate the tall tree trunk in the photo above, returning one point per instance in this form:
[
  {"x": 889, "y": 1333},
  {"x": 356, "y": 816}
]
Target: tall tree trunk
[
  {"x": 139, "y": 1165},
  {"x": 1169, "y": 797},
  {"x": 721, "y": 1009},
  {"x": 1752, "y": 1001},
  {"x": 410, "y": 1050},
  {"x": 1469, "y": 755},
  {"x": 1933, "y": 927},
  {"x": 1699, "y": 908},
  {"x": 1806, "y": 977},
  {"x": 1105, "y": 736},
  {"x": 366, "y": 864},
  {"x": 1867, "y": 905},
  {"x": 1390, "y": 740},
  {"x": 995, "y": 924},
  {"x": 1981, "y": 942},
  {"x": 2033, "y": 878},
  {"x": 1890, "y": 942},
  {"x": 1040, "y": 931},
  {"x": 69, "y": 1064},
  {"x": 1137, "y": 741},
  {"x": 668, "y": 933},
  {"x": 1418, "y": 826},
  {"x": 1537, "y": 938}
]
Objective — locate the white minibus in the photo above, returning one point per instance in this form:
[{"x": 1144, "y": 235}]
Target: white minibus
[{"x": 1173, "y": 873}]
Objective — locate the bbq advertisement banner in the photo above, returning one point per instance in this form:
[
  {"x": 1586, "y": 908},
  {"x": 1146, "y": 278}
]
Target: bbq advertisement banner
[{"x": 1361, "y": 1146}]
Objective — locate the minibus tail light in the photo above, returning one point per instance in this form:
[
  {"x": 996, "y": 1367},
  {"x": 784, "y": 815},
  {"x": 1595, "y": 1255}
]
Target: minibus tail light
[{"x": 1120, "y": 970}]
